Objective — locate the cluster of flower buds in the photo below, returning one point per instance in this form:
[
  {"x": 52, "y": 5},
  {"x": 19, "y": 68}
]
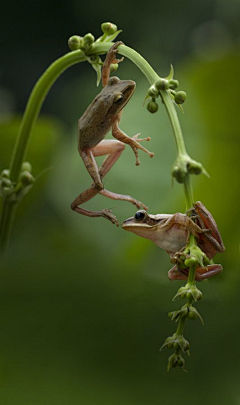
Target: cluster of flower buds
[
  {"x": 185, "y": 165},
  {"x": 85, "y": 44},
  {"x": 164, "y": 84},
  {"x": 189, "y": 291},
  {"x": 187, "y": 310},
  {"x": 178, "y": 343},
  {"x": 12, "y": 191}
]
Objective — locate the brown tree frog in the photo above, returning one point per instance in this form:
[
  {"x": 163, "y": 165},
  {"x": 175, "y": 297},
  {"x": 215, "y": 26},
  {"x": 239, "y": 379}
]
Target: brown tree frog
[
  {"x": 103, "y": 114},
  {"x": 171, "y": 233}
]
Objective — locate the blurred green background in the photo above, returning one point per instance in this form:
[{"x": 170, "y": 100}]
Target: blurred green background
[{"x": 84, "y": 304}]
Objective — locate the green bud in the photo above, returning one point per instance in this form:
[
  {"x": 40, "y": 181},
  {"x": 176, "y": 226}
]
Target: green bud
[
  {"x": 88, "y": 39},
  {"x": 108, "y": 28},
  {"x": 178, "y": 173},
  {"x": 5, "y": 173},
  {"x": 162, "y": 84},
  {"x": 189, "y": 296},
  {"x": 152, "y": 107},
  {"x": 26, "y": 178},
  {"x": 192, "y": 315},
  {"x": 113, "y": 67},
  {"x": 75, "y": 42},
  {"x": 195, "y": 167},
  {"x": 180, "y": 97},
  {"x": 181, "y": 362},
  {"x": 26, "y": 166},
  {"x": 153, "y": 91},
  {"x": 173, "y": 84},
  {"x": 6, "y": 182},
  {"x": 170, "y": 314}
]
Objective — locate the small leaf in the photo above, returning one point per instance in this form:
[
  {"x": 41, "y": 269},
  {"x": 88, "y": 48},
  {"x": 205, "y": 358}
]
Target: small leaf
[
  {"x": 171, "y": 73},
  {"x": 98, "y": 70},
  {"x": 113, "y": 36}
]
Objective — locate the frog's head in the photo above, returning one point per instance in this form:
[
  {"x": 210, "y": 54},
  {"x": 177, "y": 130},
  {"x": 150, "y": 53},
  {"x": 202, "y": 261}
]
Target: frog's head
[
  {"x": 144, "y": 224},
  {"x": 118, "y": 92}
]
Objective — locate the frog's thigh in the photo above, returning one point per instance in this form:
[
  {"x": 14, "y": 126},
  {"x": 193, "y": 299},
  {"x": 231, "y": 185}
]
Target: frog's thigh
[{"x": 109, "y": 147}]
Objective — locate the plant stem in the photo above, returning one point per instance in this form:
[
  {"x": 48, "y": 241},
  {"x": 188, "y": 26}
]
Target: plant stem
[{"x": 174, "y": 122}]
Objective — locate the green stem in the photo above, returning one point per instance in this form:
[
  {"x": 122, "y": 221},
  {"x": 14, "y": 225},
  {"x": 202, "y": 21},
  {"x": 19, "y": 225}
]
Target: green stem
[
  {"x": 181, "y": 325},
  {"x": 174, "y": 122},
  {"x": 34, "y": 105}
]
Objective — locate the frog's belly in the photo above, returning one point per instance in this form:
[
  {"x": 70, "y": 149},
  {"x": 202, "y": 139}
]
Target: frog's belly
[
  {"x": 91, "y": 135},
  {"x": 172, "y": 240}
]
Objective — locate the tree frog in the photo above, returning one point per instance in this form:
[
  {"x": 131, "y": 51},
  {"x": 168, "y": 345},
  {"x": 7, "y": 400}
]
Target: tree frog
[
  {"x": 103, "y": 114},
  {"x": 171, "y": 232}
]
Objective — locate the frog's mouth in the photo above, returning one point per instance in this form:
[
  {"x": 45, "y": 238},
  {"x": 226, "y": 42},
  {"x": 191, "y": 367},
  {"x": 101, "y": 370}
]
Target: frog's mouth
[{"x": 130, "y": 224}]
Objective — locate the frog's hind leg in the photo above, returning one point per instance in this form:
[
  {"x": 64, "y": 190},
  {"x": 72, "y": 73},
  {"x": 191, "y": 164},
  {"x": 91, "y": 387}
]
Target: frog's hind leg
[
  {"x": 96, "y": 187},
  {"x": 114, "y": 150}
]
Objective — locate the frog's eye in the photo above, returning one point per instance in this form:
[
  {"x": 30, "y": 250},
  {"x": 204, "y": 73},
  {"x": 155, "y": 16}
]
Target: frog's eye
[
  {"x": 118, "y": 98},
  {"x": 140, "y": 215}
]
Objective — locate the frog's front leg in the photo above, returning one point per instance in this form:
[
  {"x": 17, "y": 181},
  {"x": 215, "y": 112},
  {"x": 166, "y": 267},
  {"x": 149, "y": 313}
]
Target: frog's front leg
[
  {"x": 133, "y": 142},
  {"x": 110, "y": 58},
  {"x": 113, "y": 149},
  {"x": 201, "y": 273}
]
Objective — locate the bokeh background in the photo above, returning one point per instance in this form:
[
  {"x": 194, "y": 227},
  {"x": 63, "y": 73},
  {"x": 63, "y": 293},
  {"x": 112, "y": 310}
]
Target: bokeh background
[{"x": 83, "y": 304}]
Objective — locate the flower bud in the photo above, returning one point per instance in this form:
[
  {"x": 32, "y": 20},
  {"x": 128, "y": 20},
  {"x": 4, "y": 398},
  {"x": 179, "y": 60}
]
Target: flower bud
[
  {"x": 162, "y": 84},
  {"x": 195, "y": 167},
  {"x": 152, "y": 107},
  {"x": 180, "y": 97},
  {"x": 6, "y": 182},
  {"x": 26, "y": 166},
  {"x": 178, "y": 173},
  {"x": 88, "y": 39},
  {"x": 75, "y": 42},
  {"x": 181, "y": 362},
  {"x": 113, "y": 67},
  {"x": 153, "y": 91},
  {"x": 5, "y": 173},
  {"x": 26, "y": 178},
  {"x": 108, "y": 28},
  {"x": 173, "y": 84}
]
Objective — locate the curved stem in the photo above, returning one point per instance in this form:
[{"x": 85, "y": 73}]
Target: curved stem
[
  {"x": 34, "y": 105},
  {"x": 175, "y": 122}
]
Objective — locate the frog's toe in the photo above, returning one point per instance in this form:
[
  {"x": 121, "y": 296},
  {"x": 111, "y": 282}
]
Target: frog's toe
[{"x": 106, "y": 213}]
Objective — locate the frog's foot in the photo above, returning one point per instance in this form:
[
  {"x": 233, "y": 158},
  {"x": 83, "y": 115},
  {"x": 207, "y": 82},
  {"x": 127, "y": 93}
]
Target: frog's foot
[
  {"x": 106, "y": 213},
  {"x": 110, "y": 59},
  {"x": 136, "y": 147},
  {"x": 111, "y": 55},
  {"x": 201, "y": 273}
]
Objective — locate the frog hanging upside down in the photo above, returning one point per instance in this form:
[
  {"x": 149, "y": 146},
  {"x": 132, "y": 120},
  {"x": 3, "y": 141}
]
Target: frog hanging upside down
[{"x": 102, "y": 115}]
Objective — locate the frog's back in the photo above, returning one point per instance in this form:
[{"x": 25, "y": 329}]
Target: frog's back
[{"x": 94, "y": 124}]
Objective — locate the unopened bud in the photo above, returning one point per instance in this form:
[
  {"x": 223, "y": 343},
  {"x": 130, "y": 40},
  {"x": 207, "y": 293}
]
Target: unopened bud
[
  {"x": 108, "y": 28},
  {"x": 75, "y": 42},
  {"x": 180, "y": 97},
  {"x": 162, "y": 84},
  {"x": 152, "y": 107}
]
